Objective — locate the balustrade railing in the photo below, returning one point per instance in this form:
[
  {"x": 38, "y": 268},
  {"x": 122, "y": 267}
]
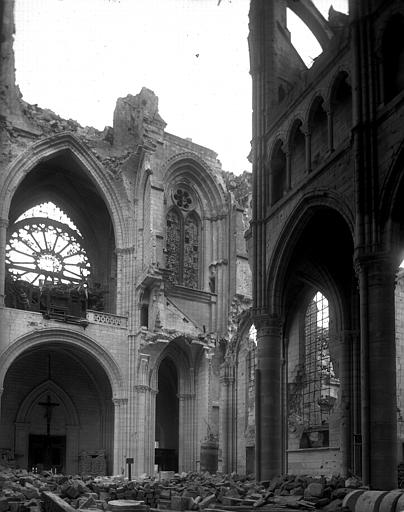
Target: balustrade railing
[{"x": 99, "y": 317}]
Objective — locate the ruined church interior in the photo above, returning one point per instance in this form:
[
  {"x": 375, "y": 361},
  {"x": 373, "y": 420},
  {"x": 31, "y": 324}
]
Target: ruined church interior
[{"x": 161, "y": 314}]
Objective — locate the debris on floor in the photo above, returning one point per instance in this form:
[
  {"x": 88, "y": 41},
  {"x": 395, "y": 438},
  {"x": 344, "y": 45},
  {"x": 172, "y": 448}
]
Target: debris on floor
[{"x": 22, "y": 491}]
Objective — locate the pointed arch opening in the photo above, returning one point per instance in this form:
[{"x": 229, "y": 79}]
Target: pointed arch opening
[
  {"x": 61, "y": 240},
  {"x": 341, "y": 107},
  {"x": 167, "y": 417},
  {"x": 57, "y": 410},
  {"x": 297, "y": 152},
  {"x": 318, "y": 128},
  {"x": 278, "y": 173}
]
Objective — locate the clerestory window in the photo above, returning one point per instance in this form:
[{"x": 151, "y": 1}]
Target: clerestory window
[{"x": 183, "y": 240}]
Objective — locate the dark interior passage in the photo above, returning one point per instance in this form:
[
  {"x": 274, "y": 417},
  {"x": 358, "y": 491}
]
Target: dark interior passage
[{"x": 167, "y": 417}]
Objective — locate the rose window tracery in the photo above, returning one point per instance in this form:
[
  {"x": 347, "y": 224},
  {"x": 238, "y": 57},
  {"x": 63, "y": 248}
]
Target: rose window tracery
[
  {"x": 183, "y": 199},
  {"x": 46, "y": 247}
]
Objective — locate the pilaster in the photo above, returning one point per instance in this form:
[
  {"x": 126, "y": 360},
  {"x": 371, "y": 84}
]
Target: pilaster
[
  {"x": 120, "y": 416},
  {"x": 228, "y": 417},
  {"x": 187, "y": 445}
]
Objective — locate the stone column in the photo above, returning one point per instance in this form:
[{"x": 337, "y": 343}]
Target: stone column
[
  {"x": 378, "y": 372},
  {"x": 186, "y": 451},
  {"x": 149, "y": 448},
  {"x": 268, "y": 419},
  {"x": 228, "y": 423},
  {"x": 3, "y": 243},
  {"x": 120, "y": 412},
  {"x": 142, "y": 426}
]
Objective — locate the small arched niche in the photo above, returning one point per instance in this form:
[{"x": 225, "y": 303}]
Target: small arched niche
[
  {"x": 278, "y": 173},
  {"x": 318, "y": 127},
  {"x": 297, "y": 152},
  {"x": 341, "y": 104}
]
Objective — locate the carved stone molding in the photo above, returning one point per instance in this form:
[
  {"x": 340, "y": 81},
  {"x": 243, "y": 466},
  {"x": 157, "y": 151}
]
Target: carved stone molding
[
  {"x": 118, "y": 402},
  {"x": 141, "y": 388},
  {"x": 186, "y": 396}
]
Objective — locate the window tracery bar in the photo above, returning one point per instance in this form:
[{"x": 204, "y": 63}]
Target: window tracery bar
[
  {"x": 173, "y": 245},
  {"x": 319, "y": 393},
  {"x": 191, "y": 252}
]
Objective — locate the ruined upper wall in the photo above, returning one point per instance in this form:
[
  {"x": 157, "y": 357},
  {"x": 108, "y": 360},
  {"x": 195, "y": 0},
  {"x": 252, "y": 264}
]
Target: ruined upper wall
[
  {"x": 9, "y": 103},
  {"x": 272, "y": 52}
]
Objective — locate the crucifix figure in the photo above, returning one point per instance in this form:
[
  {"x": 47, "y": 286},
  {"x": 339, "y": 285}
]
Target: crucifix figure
[{"x": 48, "y": 412}]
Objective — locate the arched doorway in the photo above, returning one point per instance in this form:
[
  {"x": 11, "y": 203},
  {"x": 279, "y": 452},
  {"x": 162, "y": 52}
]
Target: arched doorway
[
  {"x": 57, "y": 410},
  {"x": 167, "y": 417}
]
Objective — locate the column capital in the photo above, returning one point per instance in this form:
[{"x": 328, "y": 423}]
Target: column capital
[
  {"x": 124, "y": 250},
  {"x": 375, "y": 264},
  {"x": 262, "y": 319},
  {"x": 119, "y": 401},
  {"x": 141, "y": 388},
  {"x": 227, "y": 373}
]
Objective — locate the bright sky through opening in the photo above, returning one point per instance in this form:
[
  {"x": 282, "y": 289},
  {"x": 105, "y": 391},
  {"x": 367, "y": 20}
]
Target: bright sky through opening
[{"x": 77, "y": 57}]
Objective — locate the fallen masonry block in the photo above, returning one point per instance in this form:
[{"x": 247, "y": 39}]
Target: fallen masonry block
[
  {"x": 181, "y": 503},
  {"x": 350, "y": 499},
  {"x": 127, "y": 506},
  {"x": 370, "y": 501},
  {"x": 207, "y": 501},
  {"x": 399, "y": 504},
  {"x": 4, "y": 504},
  {"x": 54, "y": 503},
  {"x": 314, "y": 489},
  {"x": 389, "y": 502}
]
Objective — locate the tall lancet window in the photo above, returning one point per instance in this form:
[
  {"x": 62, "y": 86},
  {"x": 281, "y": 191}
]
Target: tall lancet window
[
  {"x": 183, "y": 240},
  {"x": 321, "y": 384}
]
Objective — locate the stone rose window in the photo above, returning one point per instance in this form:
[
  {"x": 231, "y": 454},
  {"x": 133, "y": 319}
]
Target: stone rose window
[
  {"x": 183, "y": 239},
  {"x": 46, "y": 247}
]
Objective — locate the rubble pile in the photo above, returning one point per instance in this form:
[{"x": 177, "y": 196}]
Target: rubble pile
[{"x": 21, "y": 491}]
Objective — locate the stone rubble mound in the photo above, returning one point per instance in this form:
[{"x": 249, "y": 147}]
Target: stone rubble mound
[{"x": 22, "y": 491}]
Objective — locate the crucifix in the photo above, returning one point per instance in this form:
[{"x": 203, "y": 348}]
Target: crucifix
[{"x": 48, "y": 412}]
